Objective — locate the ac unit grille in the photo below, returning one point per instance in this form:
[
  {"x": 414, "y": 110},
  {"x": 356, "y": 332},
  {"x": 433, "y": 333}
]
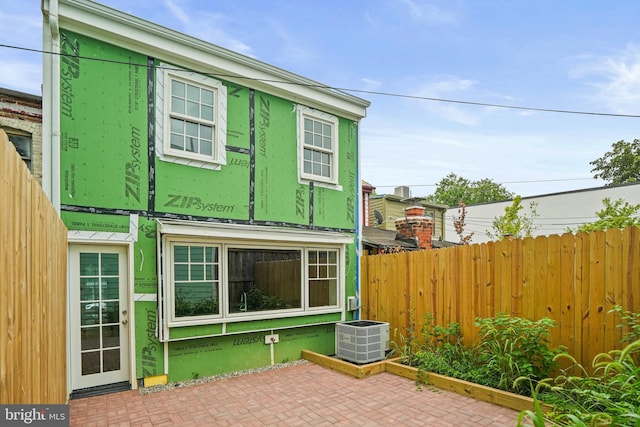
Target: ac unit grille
[{"x": 362, "y": 341}]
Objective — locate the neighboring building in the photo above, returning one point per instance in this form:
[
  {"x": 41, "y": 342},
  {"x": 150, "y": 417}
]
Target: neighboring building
[
  {"x": 21, "y": 119},
  {"x": 367, "y": 191},
  {"x": 557, "y": 212},
  {"x": 414, "y": 231},
  {"x": 385, "y": 209},
  {"x": 211, "y": 200}
]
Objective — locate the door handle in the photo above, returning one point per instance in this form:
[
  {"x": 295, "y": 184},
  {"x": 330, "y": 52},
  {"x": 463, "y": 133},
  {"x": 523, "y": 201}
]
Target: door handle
[{"x": 124, "y": 322}]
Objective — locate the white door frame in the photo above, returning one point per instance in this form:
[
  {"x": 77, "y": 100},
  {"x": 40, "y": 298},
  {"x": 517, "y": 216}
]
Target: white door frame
[{"x": 126, "y": 240}]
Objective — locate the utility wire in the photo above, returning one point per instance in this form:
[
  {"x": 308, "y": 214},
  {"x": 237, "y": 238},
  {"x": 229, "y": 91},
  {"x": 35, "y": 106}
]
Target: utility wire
[{"x": 321, "y": 86}]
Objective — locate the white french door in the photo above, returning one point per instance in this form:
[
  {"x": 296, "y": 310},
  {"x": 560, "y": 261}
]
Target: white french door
[{"x": 98, "y": 315}]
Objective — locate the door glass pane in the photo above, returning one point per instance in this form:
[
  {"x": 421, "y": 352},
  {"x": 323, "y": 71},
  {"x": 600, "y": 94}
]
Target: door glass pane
[
  {"x": 109, "y": 265},
  {"x": 111, "y": 336},
  {"x": 110, "y": 312},
  {"x": 91, "y": 363},
  {"x": 111, "y": 360},
  {"x": 90, "y": 338},
  {"x": 88, "y": 264},
  {"x": 110, "y": 288},
  {"x": 89, "y": 313},
  {"x": 89, "y": 289}
]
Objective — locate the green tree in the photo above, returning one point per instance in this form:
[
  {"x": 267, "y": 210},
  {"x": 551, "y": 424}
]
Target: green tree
[
  {"x": 453, "y": 188},
  {"x": 616, "y": 214},
  {"x": 514, "y": 223},
  {"x": 620, "y": 165}
]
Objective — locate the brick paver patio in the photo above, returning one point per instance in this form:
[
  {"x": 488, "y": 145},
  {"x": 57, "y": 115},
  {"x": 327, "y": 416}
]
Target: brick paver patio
[{"x": 301, "y": 395}]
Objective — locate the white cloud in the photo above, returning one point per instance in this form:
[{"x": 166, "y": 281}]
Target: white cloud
[
  {"x": 425, "y": 12},
  {"x": 615, "y": 79},
  {"x": 207, "y": 26},
  {"x": 450, "y": 88}
]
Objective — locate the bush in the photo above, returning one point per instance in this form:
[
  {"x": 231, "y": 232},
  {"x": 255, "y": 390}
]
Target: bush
[{"x": 508, "y": 348}]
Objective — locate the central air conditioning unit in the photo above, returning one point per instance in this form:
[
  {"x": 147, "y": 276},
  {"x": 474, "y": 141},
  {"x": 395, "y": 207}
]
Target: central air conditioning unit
[{"x": 362, "y": 341}]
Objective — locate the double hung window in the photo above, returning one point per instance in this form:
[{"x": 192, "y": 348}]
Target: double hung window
[
  {"x": 192, "y": 114},
  {"x": 317, "y": 146}
]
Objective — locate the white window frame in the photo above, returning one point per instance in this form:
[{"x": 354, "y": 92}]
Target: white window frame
[
  {"x": 236, "y": 236},
  {"x": 173, "y": 319},
  {"x": 166, "y": 74},
  {"x": 318, "y": 116}
]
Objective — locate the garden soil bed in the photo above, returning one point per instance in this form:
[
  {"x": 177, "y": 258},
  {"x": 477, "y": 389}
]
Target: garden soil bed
[{"x": 465, "y": 388}]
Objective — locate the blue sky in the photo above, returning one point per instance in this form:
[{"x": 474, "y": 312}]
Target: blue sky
[{"x": 577, "y": 55}]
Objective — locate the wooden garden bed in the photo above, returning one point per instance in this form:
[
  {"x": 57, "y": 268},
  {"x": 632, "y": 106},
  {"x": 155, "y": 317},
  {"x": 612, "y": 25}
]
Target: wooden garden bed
[{"x": 465, "y": 388}]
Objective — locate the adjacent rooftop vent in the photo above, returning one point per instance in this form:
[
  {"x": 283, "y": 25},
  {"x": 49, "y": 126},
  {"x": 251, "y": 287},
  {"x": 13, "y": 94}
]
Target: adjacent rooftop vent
[
  {"x": 362, "y": 341},
  {"x": 403, "y": 191}
]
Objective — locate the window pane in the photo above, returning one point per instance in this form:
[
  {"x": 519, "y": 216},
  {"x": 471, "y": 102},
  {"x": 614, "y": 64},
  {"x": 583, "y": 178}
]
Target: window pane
[
  {"x": 110, "y": 288},
  {"x": 193, "y": 93},
  {"x": 177, "y": 141},
  {"x": 206, "y": 133},
  {"x": 316, "y": 156},
  {"x": 307, "y": 154},
  {"x": 317, "y": 141},
  {"x": 89, "y": 289},
  {"x": 193, "y": 109},
  {"x": 90, "y": 338},
  {"x": 111, "y": 360},
  {"x": 196, "y": 299},
  {"x": 181, "y": 272},
  {"x": 326, "y": 171},
  {"x": 308, "y": 125},
  {"x": 88, "y": 264},
  {"x": 192, "y": 129},
  {"x": 264, "y": 279},
  {"x": 109, "y": 264},
  {"x": 22, "y": 144},
  {"x": 111, "y": 336},
  {"x": 181, "y": 253},
  {"x": 206, "y": 148},
  {"x": 177, "y": 126},
  {"x": 327, "y": 143},
  {"x": 197, "y": 272},
  {"x": 197, "y": 253},
  {"x": 110, "y": 312},
  {"x": 307, "y": 167},
  {"x": 206, "y": 113},
  {"x": 316, "y": 169},
  {"x": 177, "y": 105},
  {"x": 317, "y": 127},
  {"x": 326, "y": 130},
  {"x": 207, "y": 97},
  {"x": 90, "y": 363},
  {"x": 177, "y": 88}
]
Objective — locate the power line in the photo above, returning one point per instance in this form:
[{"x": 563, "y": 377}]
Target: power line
[
  {"x": 503, "y": 182},
  {"x": 369, "y": 92}
]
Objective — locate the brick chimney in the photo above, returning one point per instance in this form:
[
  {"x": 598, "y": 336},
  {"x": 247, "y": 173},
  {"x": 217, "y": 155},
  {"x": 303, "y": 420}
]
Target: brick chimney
[{"x": 416, "y": 225}]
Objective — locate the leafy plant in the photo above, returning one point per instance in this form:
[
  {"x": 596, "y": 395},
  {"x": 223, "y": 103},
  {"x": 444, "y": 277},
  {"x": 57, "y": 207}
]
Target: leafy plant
[
  {"x": 615, "y": 214},
  {"x": 610, "y": 396},
  {"x": 513, "y": 222},
  {"x": 629, "y": 320},
  {"x": 513, "y": 347}
]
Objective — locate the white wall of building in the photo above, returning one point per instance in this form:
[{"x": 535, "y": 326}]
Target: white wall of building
[{"x": 556, "y": 212}]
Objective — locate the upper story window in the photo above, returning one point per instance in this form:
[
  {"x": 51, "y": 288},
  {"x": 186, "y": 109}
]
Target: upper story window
[
  {"x": 23, "y": 143},
  {"x": 317, "y": 146},
  {"x": 192, "y": 119}
]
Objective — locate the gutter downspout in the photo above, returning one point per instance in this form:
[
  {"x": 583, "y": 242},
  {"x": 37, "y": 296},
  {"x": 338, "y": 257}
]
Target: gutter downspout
[{"x": 51, "y": 102}]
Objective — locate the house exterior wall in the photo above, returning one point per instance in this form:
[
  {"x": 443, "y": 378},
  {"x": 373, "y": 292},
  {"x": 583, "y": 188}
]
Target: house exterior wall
[
  {"x": 556, "y": 212},
  {"x": 110, "y": 172},
  {"x": 22, "y": 112}
]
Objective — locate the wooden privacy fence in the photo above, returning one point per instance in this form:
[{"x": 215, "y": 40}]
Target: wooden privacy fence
[
  {"x": 33, "y": 274},
  {"x": 572, "y": 279}
]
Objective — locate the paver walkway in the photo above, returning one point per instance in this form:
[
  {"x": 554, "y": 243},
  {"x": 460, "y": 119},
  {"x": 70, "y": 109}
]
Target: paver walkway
[{"x": 300, "y": 395}]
